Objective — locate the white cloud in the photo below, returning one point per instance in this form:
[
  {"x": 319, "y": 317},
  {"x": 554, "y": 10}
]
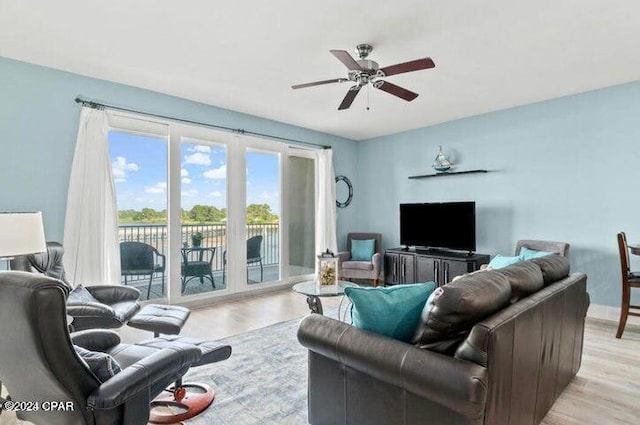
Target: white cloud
[
  {"x": 198, "y": 158},
  {"x": 190, "y": 192},
  {"x": 215, "y": 194},
  {"x": 216, "y": 173},
  {"x": 184, "y": 173},
  {"x": 160, "y": 187},
  {"x": 120, "y": 168},
  {"x": 200, "y": 148}
]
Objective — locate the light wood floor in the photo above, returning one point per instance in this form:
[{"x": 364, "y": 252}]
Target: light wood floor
[{"x": 606, "y": 390}]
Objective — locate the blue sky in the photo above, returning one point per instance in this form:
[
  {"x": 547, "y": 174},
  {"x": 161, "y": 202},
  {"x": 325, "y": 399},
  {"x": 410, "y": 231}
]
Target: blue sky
[{"x": 139, "y": 165}]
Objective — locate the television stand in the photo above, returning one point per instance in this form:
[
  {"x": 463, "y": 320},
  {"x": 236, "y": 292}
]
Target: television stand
[{"x": 402, "y": 265}]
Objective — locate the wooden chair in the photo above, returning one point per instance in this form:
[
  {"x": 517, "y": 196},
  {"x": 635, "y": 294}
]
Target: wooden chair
[{"x": 629, "y": 280}]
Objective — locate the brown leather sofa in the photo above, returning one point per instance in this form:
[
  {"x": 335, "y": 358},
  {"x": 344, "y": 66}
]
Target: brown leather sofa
[{"x": 509, "y": 369}]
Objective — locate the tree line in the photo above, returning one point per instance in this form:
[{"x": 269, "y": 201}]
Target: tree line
[{"x": 256, "y": 214}]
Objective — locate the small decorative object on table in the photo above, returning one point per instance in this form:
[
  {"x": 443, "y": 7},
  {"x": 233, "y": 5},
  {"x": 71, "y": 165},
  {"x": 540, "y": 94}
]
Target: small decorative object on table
[
  {"x": 441, "y": 164},
  {"x": 196, "y": 239},
  {"x": 327, "y": 268}
]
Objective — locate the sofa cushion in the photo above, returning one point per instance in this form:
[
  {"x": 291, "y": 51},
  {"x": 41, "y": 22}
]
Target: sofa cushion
[
  {"x": 553, "y": 267},
  {"x": 392, "y": 311},
  {"x": 500, "y": 261},
  {"x": 362, "y": 249},
  {"x": 454, "y": 308},
  {"x": 357, "y": 265},
  {"x": 529, "y": 254},
  {"x": 524, "y": 277}
]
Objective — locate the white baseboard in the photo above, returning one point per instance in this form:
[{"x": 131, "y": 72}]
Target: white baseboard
[{"x": 607, "y": 312}]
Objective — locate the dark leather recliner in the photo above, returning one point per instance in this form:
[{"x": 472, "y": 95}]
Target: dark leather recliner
[
  {"x": 117, "y": 304},
  {"x": 39, "y": 364}
]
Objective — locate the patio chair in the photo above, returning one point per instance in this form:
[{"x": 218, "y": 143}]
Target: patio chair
[
  {"x": 197, "y": 263},
  {"x": 254, "y": 255},
  {"x": 141, "y": 259}
]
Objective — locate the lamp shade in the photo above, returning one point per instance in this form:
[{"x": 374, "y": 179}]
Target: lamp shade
[{"x": 21, "y": 233}]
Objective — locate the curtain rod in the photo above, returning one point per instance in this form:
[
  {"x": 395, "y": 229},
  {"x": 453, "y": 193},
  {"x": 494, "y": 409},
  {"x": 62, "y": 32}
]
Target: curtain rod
[{"x": 100, "y": 105}]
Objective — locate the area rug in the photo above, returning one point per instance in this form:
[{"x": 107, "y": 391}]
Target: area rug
[{"x": 264, "y": 381}]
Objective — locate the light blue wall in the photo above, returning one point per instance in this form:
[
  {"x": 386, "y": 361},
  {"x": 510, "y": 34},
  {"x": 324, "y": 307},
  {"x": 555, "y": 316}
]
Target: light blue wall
[
  {"x": 39, "y": 123},
  {"x": 566, "y": 170}
]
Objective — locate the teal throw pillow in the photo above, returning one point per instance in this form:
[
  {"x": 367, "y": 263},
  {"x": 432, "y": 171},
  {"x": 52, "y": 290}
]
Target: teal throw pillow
[
  {"x": 500, "y": 261},
  {"x": 362, "y": 249},
  {"x": 393, "y": 311},
  {"x": 528, "y": 254}
]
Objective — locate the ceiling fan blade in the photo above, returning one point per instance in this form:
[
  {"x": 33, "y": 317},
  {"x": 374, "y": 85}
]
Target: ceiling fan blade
[
  {"x": 400, "y": 68},
  {"x": 319, "y": 83},
  {"x": 395, "y": 90},
  {"x": 348, "y": 60},
  {"x": 348, "y": 99}
]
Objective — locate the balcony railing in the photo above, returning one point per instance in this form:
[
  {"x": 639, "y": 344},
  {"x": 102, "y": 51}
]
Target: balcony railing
[{"x": 212, "y": 235}]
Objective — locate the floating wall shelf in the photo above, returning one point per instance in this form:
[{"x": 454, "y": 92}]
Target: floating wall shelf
[{"x": 451, "y": 173}]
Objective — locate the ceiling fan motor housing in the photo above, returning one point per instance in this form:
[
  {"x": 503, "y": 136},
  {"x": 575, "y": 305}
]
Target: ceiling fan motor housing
[{"x": 364, "y": 50}]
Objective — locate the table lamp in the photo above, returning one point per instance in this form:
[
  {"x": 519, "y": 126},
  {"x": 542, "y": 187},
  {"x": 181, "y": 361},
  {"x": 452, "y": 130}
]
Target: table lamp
[{"x": 21, "y": 233}]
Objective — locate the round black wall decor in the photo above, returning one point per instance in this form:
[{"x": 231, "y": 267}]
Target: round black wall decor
[{"x": 344, "y": 191}]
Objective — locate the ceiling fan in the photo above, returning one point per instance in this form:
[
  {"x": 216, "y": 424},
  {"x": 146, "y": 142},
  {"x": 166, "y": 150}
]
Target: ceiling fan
[{"x": 365, "y": 71}]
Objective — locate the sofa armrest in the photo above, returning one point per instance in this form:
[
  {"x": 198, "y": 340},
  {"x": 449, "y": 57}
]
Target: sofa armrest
[
  {"x": 458, "y": 385},
  {"x": 142, "y": 375},
  {"x": 90, "y": 310},
  {"x": 96, "y": 339},
  {"x": 110, "y": 294}
]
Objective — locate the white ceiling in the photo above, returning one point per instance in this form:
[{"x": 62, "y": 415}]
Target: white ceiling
[{"x": 245, "y": 55}]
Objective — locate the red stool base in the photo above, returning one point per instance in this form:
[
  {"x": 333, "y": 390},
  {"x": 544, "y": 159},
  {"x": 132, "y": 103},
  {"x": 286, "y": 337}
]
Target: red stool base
[{"x": 190, "y": 403}]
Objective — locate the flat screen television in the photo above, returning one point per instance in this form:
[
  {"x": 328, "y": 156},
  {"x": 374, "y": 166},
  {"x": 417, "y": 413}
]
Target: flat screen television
[{"x": 449, "y": 225}]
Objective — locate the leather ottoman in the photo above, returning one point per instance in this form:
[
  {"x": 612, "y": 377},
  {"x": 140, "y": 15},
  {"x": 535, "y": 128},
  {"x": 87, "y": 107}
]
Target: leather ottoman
[{"x": 160, "y": 319}]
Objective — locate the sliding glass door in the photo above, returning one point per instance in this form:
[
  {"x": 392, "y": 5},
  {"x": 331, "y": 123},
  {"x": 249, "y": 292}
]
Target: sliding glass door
[
  {"x": 203, "y": 216},
  {"x": 301, "y": 210},
  {"x": 222, "y": 211},
  {"x": 139, "y": 167},
  {"x": 262, "y": 213}
]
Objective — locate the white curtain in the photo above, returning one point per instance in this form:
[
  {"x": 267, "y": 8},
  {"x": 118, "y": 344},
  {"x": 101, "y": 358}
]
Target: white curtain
[
  {"x": 326, "y": 212},
  {"x": 92, "y": 253}
]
